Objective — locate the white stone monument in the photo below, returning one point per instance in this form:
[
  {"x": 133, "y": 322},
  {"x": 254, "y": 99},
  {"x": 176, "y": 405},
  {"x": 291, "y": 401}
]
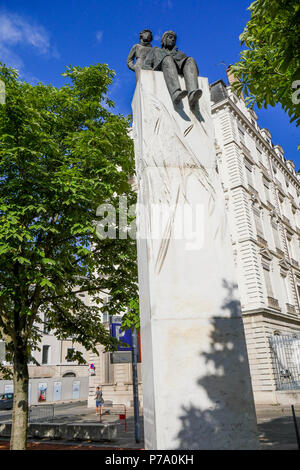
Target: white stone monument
[{"x": 197, "y": 390}]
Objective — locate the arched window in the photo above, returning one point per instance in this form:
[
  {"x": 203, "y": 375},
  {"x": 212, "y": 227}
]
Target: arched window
[{"x": 69, "y": 374}]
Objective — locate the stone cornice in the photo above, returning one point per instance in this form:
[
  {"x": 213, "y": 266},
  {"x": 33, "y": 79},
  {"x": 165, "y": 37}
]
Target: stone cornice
[
  {"x": 265, "y": 312},
  {"x": 264, "y": 249},
  {"x": 254, "y": 131}
]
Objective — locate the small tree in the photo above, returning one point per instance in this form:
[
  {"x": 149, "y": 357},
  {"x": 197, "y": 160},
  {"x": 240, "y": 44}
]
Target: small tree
[
  {"x": 269, "y": 70},
  {"x": 62, "y": 154}
]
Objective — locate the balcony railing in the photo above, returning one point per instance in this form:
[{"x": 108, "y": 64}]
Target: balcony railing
[
  {"x": 286, "y": 220},
  {"x": 264, "y": 170},
  {"x": 294, "y": 263},
  {"x": 292, "y": 199},
  {"x": 261, "y": 241},
  {"x": 271, "y": 206},
  {"x": 290, "y": 309},
  {"x": 273, "y": 303},
  {"x": 246, "y": 151},
  {"x": 279, "y": 252},
  {"x": 252, "y": 190}
]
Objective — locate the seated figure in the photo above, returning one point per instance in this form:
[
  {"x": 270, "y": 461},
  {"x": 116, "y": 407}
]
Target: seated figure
[{"x": 172, "y": 62}]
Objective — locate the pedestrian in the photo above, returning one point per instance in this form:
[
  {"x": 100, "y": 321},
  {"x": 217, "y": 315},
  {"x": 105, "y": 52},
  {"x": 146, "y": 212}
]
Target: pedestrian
[{"x": 99, "y": 400}]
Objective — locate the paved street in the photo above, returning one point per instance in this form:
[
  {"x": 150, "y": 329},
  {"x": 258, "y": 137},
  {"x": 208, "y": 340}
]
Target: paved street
[{"x": 275, "y": 426}]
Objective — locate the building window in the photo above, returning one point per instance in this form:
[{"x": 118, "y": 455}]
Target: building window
[
  {"x": 286, "y": 285},
  {"x": 266, "y": 188},
  {"x": 69, "y": 352},
  {"x": 242, "y": 135},
  {"x": 69, "y": 374},
  {"x": 46, "y": 354},
  {"x": 276, "y": 236},
  {"x": 249, "y": 173},
  {"x": 298, "y": 290},
  {"x": 2, "y": 351},
  {"x": 258, "y": 223},
  {"x": 259, "y": 155},
  {"x": 105, "y": 317},
  {"x": 282, "y": 205},
  {"x": 291, "y": 246},
  {"x": 268, "y": 282},
  {"x": 294, "y": 212},
  {"x": 46, "y": 329}
]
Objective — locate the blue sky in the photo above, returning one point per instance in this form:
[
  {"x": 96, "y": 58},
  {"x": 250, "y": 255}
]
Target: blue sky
[{"x": 40, "y": 38}]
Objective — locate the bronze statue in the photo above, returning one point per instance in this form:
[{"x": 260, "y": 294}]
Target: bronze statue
[
  {"x": 139, "y": 52},
  {"x": 172, "y": 62}
]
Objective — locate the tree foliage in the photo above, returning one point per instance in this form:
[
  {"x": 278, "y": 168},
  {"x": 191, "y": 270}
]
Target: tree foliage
[
  {"x": 62, "y": 154},
  {"x": 269, "y": 69}
]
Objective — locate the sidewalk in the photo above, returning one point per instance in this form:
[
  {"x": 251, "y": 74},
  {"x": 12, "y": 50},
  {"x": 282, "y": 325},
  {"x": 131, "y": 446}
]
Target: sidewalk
[{"x": 276, "y": 427}]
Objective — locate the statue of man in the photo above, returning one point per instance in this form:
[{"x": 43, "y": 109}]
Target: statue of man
[
  {"x": 139, "y": 52},
  {"x": 172, "y": 62}
]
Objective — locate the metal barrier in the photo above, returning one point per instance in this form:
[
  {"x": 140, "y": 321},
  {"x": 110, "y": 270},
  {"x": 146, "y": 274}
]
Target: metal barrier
[
  {"x": 285, "y": 350},
  {"x": 41, "y": 413},
  {"x": 121, "y": 412}
]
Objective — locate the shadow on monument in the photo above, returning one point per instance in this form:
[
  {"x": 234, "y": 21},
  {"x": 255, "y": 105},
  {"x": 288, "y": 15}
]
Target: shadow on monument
[
  {"x": 195, "y": 110},
  {"x": 228, "y": 357},
  {"x": 180, "y": 110}
]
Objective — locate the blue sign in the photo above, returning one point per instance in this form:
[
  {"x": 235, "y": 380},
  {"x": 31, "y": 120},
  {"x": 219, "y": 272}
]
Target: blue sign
[{"x": 123, "y": 335}]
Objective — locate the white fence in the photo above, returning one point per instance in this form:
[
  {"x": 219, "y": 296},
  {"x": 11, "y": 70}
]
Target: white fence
[{"x": 52, "y": 389}]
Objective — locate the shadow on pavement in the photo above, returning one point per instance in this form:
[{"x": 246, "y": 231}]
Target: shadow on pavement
[{"x": 278, "y": 434}]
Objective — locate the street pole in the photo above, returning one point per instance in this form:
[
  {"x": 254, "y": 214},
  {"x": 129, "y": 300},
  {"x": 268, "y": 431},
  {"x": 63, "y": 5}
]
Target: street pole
[{"x": 135, "y": 386}]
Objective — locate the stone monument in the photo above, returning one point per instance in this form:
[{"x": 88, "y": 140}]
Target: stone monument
[{"x": 197, "y": 390}]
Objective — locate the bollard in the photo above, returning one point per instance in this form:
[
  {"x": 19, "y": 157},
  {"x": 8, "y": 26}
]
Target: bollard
[{"x": 296, "y": 427}]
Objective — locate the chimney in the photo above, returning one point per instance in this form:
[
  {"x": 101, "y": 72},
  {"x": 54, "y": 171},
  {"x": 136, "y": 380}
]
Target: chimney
[{"x": 232, "y": 79}]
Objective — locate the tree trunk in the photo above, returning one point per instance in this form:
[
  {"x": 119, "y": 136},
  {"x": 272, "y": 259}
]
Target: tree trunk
[{"x": 18, "y": 440}]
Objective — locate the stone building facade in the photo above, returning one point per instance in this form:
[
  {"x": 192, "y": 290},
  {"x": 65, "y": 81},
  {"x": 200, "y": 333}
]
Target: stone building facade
[{"x": 262, "y": 193}]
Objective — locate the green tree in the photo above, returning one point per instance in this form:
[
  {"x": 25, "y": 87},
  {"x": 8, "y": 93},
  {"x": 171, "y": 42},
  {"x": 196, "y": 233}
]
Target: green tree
[
  {"x": 62, "y": 154},
  {"x": 269, "y": 69}
]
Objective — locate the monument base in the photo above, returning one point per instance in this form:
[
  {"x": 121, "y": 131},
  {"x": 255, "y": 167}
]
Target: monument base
[{"x": 197, "y": 390}]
